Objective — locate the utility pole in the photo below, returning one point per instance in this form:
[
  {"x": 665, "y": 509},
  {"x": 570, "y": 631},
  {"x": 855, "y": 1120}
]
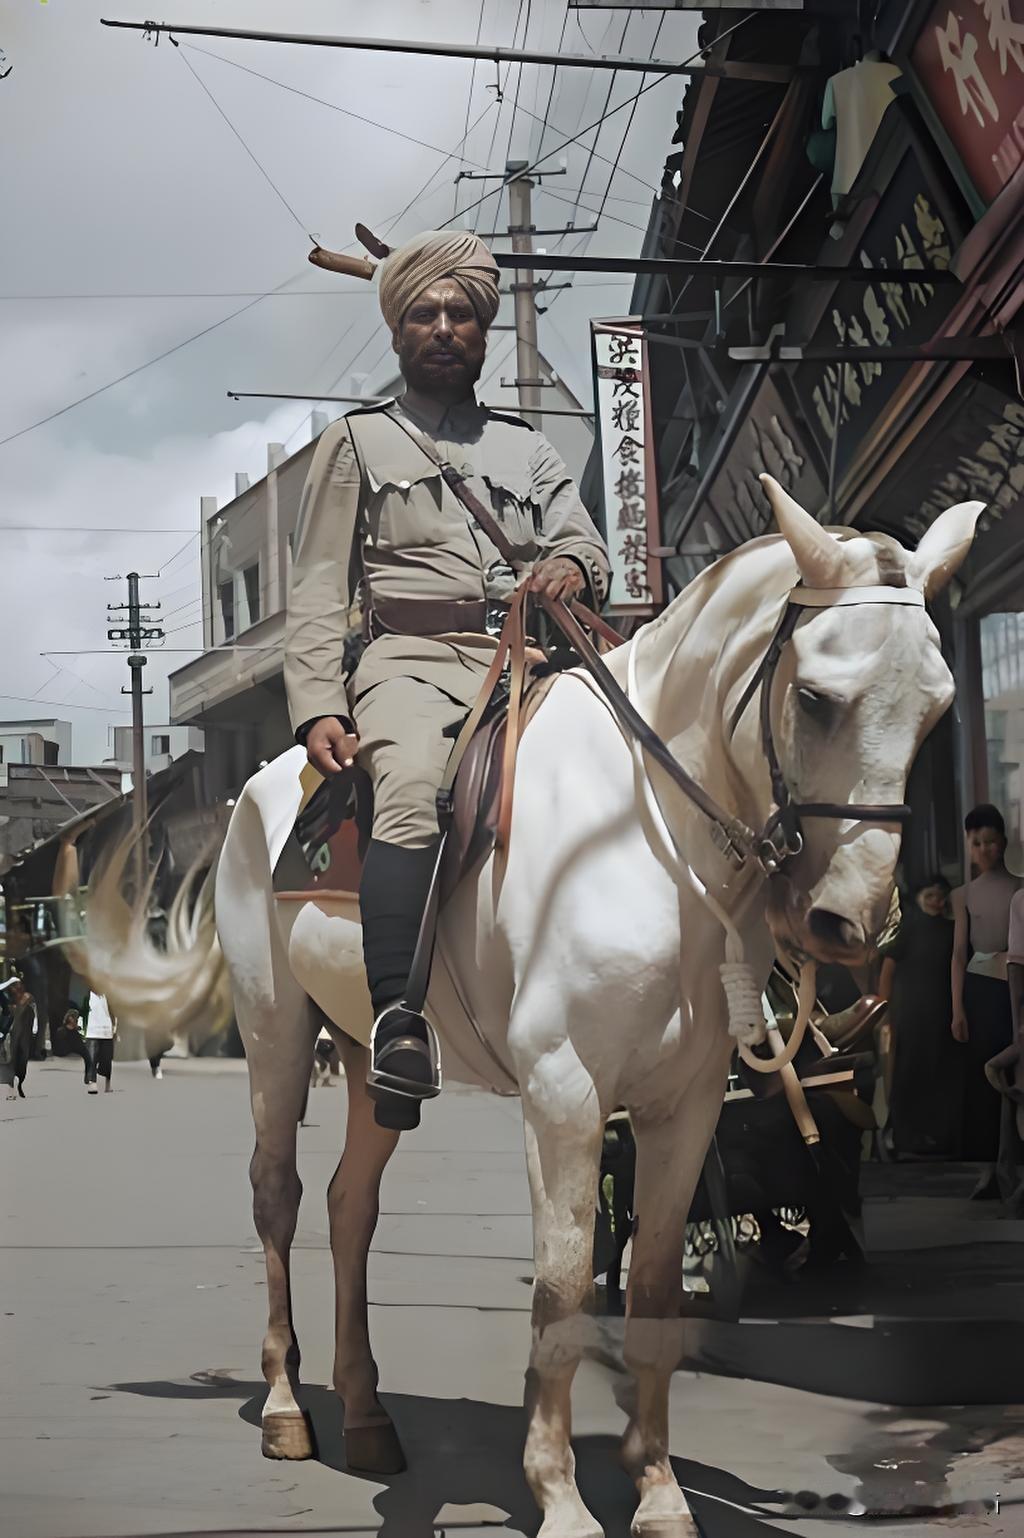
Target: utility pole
[
  {"x": 140, "y": 629},
  {"x": 520, "y": 203}
]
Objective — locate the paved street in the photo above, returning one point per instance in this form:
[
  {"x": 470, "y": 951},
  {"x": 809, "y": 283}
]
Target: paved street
[{"x": 133, "y": 1308}]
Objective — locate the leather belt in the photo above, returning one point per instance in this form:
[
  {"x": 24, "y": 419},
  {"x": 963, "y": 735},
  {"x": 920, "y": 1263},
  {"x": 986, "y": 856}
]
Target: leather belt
[{"x": 424, "y": 617}]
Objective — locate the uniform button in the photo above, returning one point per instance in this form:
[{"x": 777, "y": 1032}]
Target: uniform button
[{"x": 404, "y": 485}]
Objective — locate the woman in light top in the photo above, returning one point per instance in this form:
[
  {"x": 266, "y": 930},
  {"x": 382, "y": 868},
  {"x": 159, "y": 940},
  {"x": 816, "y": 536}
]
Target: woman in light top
[{"x": 981, "y": 997}]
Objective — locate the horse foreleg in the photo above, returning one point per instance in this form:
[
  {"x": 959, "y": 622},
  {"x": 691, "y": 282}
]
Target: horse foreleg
[
  {"x": 353, "y": 1201},
  {"x": 279, "y": 1049},
  {"x": 669, "y": 1158},
  {"x": 563, "y": 1160}
]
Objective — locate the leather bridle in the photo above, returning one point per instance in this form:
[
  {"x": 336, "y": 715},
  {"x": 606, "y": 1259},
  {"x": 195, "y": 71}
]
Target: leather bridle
[{"x": 782, "y": 835}]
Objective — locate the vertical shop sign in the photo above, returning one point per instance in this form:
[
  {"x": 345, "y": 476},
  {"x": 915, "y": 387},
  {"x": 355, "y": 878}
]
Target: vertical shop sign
[{"x": 628, "y": 476}]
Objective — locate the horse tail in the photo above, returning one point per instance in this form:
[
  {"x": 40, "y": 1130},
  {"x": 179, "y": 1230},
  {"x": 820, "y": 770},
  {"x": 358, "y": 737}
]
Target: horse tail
[{"x": 166, "y": 990}]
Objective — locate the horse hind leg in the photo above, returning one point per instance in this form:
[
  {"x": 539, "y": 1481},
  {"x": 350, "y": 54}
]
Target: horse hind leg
[
  {"x": 563, "y": 1161},
  {"x": 669, "y": 1158},
  {"x": 279, "y": 1047},
  {"x": 353, "y": 1200}
]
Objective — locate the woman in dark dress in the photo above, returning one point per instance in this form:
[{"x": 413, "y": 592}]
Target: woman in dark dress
[{"x": 925, "y": 1104}]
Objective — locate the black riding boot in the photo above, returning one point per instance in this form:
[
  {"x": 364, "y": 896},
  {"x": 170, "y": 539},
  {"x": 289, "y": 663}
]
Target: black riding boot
[{"x": 404, "y": 1064}]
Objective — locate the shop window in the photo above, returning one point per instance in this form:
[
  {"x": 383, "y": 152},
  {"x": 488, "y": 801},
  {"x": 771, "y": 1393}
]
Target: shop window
[{"x": 1002, "y": 675}]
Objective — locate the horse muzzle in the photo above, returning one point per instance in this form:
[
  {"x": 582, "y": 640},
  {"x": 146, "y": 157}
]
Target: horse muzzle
[{"x": 803, "y": 928}]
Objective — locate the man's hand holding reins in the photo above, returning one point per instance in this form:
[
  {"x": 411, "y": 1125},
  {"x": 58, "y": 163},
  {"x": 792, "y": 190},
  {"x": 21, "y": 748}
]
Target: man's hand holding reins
[
  {"x": 330, "y": 746},
  {"x": 557, "y": 577}
]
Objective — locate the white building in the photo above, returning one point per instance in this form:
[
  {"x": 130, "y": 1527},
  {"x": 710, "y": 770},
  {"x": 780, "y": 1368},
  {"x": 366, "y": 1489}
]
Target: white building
[
  {"x": 163, "y": 744},
  {"x": 35, "y": 742}
]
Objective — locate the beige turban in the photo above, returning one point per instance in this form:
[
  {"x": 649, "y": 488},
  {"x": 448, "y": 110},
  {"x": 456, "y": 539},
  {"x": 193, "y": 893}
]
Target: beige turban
[{"x": 428, "y": 259}]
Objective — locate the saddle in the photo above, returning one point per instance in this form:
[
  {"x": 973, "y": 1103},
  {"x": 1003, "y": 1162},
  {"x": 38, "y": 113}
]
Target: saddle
[{"x": 333, "y": 828}]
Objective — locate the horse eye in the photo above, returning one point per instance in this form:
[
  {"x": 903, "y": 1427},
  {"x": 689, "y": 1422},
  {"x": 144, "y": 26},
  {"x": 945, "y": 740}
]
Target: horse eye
[{"x": 817, "y": 706}]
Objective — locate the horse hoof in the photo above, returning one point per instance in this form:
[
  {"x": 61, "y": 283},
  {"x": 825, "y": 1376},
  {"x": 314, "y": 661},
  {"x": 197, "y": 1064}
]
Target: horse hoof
[
  {"x": 287, "y": 1435},
  {"x": 374, "y": 1450}
]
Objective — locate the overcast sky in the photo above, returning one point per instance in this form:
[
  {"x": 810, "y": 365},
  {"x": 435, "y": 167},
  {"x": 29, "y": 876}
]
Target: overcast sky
[{"x": 128, "y": 182}]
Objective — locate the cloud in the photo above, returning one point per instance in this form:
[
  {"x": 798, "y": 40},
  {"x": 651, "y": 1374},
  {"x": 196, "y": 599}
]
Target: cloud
[
  {"x": 127, "y": 180},
  {"x": 53, "y": 592}
]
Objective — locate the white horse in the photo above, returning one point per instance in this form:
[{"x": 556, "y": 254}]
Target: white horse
[{"x": 587, "y": 976}]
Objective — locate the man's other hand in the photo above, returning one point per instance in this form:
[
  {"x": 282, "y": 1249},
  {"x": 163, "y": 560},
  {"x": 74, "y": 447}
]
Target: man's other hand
[
  {"x": 557, "y": 577},
  {"x": 330, "y": 747}
]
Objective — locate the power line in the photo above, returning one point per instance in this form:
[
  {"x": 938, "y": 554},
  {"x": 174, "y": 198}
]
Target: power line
[
  {"x": 130, "y": 374},
  {"x": 607, "y": 104},
  {"x": 254, "y": 293},
  {"x": 30, "y": 699},
  {"x": 259, "y": 166},
  {"x": 649, "y": 86},
  {"x": 62, "y": 667},
  {"x": 576, "y": 205},
  {"x": 515, "y": 102},
  {"x": 76, "y": 528},
  {"x": 554, "y": 77},
  {"x": 469, "y": 104},
  {"x": 322, "y": 102},
  {"x": 625, "y": 135},
  {"x": 188, "y": 587},
  {"x": 178, "y": 553}
]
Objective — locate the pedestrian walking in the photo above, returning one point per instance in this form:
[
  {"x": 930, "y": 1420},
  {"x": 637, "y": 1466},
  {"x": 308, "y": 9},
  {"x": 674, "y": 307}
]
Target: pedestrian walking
[
  {"x": 982, "y": 1015},
  {"x": 99, "y": 1043},
  {"x": 16, "y": 1048}
]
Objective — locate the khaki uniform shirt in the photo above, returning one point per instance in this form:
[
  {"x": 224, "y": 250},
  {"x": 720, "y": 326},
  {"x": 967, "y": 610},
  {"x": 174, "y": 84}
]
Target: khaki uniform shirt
[{"x": 419, "y": 542}]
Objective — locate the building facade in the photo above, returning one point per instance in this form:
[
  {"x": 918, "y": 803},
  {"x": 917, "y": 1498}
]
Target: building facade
[{"x": 890, "y": 141}]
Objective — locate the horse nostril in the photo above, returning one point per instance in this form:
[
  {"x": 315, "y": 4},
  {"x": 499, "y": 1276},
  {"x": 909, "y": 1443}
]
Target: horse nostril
[{"x": 832, "y": 929}]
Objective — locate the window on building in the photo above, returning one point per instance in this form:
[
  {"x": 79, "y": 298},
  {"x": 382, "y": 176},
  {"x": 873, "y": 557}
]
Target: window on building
[
  {"x": 227, "y": 609},
  {"x": 161, "y": 746},
  {"x": 251, "y": 577}
]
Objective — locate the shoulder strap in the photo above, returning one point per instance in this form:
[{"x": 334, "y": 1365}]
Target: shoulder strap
[{"x": 457, "y": 483}]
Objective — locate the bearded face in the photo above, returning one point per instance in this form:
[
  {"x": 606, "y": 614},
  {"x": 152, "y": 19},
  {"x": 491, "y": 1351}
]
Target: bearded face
[{"x": 440, "y": 343}]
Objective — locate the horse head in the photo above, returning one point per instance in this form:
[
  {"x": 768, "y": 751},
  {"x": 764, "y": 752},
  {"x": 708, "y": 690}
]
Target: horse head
[{"x": 857, "y": 688}]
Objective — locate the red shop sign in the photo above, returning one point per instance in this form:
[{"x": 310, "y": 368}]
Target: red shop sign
[{"x": 969, "y": 59}]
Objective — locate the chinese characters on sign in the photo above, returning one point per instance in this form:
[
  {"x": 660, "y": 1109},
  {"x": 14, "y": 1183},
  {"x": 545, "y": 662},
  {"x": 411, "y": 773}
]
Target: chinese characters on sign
[
  {"x": 991, "y": 468},
  {"x": 973, "y": 449},
  {"x": 628, "y": 483},
  {"x": 906, "y": 232},
  {"x": 767, "y": 443},
  {"x": 969, "y": 60}
]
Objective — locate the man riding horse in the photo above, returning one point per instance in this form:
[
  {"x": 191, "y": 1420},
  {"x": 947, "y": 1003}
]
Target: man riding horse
[{"x": 381, "y": 531}]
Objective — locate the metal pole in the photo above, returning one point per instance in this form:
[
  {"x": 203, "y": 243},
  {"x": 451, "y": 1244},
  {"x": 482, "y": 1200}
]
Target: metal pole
[
  {"x": 520, "y": 203},
  {"x": 713, "y": 270},
  {"x": 136, "y": 662},
  {"x": 774, "y": 74}
]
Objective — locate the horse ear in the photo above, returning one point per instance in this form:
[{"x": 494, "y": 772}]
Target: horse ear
[
  {"x": 943, "y": 547},
  {"x": 819, "y": 556}
]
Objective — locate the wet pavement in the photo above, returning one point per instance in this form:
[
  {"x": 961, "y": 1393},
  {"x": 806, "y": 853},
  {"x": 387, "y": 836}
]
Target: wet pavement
[{"x": 133, "y": 1310}]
